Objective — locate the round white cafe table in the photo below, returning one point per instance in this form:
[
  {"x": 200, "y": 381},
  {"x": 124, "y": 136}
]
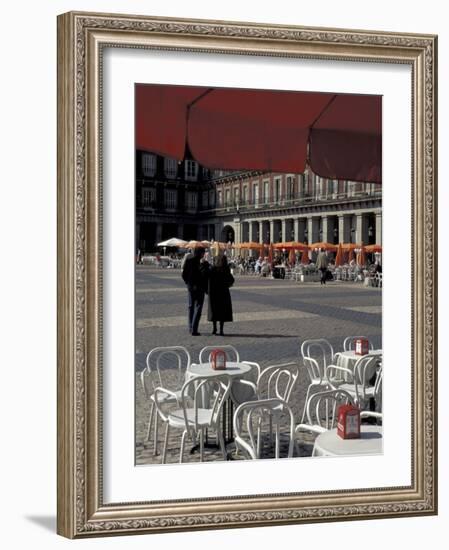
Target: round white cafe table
[
  {"x": 236, "y": 371},
  {"x": 233, "y": 370},
  {"x": 330, "y": 444}
]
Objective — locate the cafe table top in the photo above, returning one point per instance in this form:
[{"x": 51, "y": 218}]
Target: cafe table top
[{"x": 329, "y": 443}]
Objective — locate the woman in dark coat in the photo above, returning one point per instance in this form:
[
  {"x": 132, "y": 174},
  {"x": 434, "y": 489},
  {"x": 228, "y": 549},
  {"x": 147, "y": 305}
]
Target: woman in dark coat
[{"x": 220, "y": 305}]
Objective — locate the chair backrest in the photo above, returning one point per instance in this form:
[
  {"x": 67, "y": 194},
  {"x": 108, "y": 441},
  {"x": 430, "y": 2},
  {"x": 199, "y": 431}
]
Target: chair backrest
[
  {"x": 245, "y": 389},
  {"x": 378, "y": 389},
  {"x": 379, "y": 279},
  {"x": 277, "y": 381},
  {"x": 161, "y": 364},
  {"x": 322, "y": 407},
  {"x": 251, "y": 418},
  {"x": 231, "y": 353},
  {"x": 366, "y": 369},
  {"x": 349, "y": 343},
  {"x": 317, "y": 354},
  {"x": 206, "y": 393}
]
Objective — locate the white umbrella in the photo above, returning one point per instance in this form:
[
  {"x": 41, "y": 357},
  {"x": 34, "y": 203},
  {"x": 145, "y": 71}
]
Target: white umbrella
[{"x": 173, "y": 242}]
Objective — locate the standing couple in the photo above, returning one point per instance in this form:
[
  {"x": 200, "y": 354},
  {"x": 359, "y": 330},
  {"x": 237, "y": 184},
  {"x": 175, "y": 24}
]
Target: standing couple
[{"x": 215, "y": 280}]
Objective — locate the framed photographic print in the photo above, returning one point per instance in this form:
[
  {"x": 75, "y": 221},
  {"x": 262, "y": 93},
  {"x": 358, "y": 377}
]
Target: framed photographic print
[{"x": 247, "y": 274}]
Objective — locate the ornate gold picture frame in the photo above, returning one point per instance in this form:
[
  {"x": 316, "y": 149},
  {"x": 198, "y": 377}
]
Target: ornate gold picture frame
[{"x": 82, "y": 40}]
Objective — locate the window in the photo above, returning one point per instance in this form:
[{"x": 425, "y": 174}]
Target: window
[
  {"x": 191, "y": 200},
  {"x": 148, "y": 196},
  {"x": 245, "y": 194},
  {"x": 335, "y": 187},
  {"x": 314, "y": 184},
  {"x": 205, "y": 199},
  {"x": 206, "y": 173},
  {"x": 306, "y": 184},
  {"x": 256, "y": 193},
  {"x": 277, "y": 190},
  {"x": 170, "y": 168},
  {"x": 191, "y": 168},
  {"x": 148, "y": 165},
  {"x": 266, "y": 191},
  {"x": 236, "y": 195},
  {"x": 170, "y": 198},
  {"x": 220, "y": 198},
  {"x": 301, "y": 185},
  {"x": 211, "y": 198},
  {"x": 290, "y": 187},
  {"x": 228, "y": 197}
]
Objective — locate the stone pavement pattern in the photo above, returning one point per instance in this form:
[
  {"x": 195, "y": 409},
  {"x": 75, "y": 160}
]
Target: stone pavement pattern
[{"x": 271, "y": 319}]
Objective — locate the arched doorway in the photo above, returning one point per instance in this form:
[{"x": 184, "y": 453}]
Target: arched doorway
[{"x": 227, "y": 234}]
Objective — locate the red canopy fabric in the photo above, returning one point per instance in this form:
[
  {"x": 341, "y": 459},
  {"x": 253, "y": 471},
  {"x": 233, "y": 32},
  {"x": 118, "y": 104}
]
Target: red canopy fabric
[
  {"x": 240, "y": 129},
  {"x": 345, "y": 142}
]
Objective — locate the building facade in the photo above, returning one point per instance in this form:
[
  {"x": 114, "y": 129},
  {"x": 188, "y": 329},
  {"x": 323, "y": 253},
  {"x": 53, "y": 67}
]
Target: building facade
[{"x": 188, "y": 201}]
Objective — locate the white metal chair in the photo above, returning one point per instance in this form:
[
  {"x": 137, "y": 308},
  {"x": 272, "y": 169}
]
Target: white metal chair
[
  {"x": 349, "y": 343},
  {"x": 274, "y": 381},
  {"x": 277, "y": 381},
  {"x": 322, "y": 410},
  {"x": 160, "y": 361},
  {"x": 360, "y": 381},
  {"x": 378, "y": 280},
  {"x": 194, "y": 416},
  {"x": 231, "y": 353},
  {"x": 317, "y": 355},
  {"x": 249, "y": 435}
]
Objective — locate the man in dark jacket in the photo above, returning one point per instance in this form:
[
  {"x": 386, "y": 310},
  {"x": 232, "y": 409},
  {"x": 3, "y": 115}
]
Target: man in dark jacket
[{"x": 194, "y": 275}]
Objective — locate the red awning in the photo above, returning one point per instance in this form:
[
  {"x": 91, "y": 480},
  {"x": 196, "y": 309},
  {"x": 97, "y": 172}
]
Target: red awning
[{"x": 239, "y": 129}]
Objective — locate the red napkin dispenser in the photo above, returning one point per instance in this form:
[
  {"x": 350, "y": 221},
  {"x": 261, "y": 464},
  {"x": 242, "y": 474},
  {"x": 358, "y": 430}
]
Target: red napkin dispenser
[
  {"x": 361, "y": 346},
  {"x": 218, "y": 359},
  {"x": 348, "y": 426}
]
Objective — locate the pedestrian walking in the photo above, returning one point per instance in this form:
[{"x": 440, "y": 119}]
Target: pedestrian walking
[
  {"x": 195, "y": 274},
  {"x": 220, "y": 304},
  {"x": 188, "y": 255},
  {"x": 321, "y": 264}
]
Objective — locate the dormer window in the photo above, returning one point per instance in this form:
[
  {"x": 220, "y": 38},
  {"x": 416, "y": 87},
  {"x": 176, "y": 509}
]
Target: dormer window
[{"x": 148, "y": 165}]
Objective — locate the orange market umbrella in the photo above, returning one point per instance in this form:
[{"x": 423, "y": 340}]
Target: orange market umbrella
[
  {"x": 351, "y": 255},
  {"x": 324, "y": 246},
  {"x": 349, "y": 248},
  {"x": 270, "y": 253},
  {"x": 305, "y": 256},
  {"x": 292, "y": 256},
  {"x": 373, "y": 248},
  {"x": 361, "y": 256},
  {"x": 290, "y": 245},
  {"x": 278, "y": 246},
  {"x": 339, "y": 256},
  {"x": 195, "y": 244},
  {"x": 249, "y": 246}
]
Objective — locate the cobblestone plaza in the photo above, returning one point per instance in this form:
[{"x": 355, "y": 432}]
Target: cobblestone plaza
[{"x": 272, "y": 318}]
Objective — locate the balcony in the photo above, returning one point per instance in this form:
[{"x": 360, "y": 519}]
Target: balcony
[{"x": 296, "y": 200}]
